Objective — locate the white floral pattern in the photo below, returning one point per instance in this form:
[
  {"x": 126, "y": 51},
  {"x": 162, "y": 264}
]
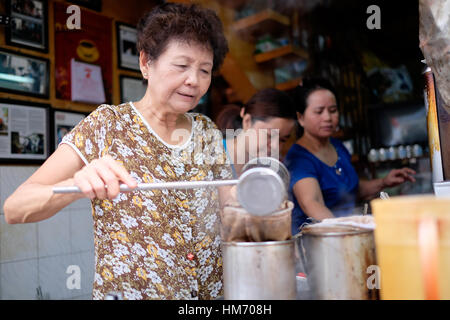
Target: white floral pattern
[{"x": 158, "y": 244}]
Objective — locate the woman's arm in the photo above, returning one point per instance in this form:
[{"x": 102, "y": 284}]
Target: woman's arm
[
  {"x": 369, "y": 189},
  {"x": 34, "y": 200},
  {"x": 309, "y": 196}
]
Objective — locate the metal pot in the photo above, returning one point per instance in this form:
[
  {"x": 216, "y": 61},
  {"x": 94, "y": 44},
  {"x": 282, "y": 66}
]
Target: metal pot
[
  {"x": 337, "y": 260},
  {"x": 259, "y": 270}
]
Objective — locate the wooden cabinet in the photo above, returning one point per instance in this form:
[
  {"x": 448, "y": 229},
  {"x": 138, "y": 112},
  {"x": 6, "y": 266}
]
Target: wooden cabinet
[
  {"x": 281, "y": 56},
  {"x": 275, "y": 24},
  {"x": 258, "y": 24}
]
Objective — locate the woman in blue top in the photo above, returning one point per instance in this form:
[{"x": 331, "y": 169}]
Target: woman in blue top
[
  {"x": 324, "y": 183},
  {"x": 258, "y": 129}
]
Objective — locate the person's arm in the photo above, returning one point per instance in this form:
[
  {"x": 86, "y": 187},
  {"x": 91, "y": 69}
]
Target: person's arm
[
  {"x": 369, "y": 189},
  {"x": 309, "y": 196},
  {"x": 34, "y": 200}
]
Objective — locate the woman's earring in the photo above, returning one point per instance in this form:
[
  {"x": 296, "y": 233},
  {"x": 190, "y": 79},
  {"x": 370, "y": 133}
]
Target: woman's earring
[{"x": 145, "y": 75}]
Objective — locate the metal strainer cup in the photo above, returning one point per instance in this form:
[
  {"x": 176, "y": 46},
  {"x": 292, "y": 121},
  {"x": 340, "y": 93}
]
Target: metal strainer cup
[{"x": 263, "y": 186}]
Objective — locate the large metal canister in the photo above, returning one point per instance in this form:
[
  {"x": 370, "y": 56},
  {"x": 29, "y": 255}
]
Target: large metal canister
[
  {"x": 338, "y": 261},
  {"x": 259, "y": 270}
]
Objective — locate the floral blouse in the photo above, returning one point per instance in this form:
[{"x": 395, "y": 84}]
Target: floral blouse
[{"x": 155, "y": 244}]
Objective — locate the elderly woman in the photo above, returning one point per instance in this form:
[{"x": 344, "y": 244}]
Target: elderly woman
[
  {"x": 324, "y": 183},
  {"x": 159, "y": 244}
]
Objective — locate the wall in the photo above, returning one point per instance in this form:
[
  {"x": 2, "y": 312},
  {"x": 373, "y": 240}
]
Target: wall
[
  {"x": 37, "y": 255},
  {"x": 110, "y": 8}
]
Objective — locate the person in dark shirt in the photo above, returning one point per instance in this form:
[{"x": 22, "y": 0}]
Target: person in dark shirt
[{"x": 324, "y": 183}]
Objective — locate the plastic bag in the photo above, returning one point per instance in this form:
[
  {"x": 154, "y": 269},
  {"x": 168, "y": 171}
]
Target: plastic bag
[{"x": 434, "y": 35}]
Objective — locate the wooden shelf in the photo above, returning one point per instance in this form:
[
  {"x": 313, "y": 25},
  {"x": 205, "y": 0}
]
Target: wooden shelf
[
  {"x": 288, "y": 85},
  {"x": 263, "y": 22},
  {"x": 281, "y": 56}
]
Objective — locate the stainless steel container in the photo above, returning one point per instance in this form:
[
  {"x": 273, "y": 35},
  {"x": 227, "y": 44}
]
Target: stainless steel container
[
  {"x": 259, "y": 270},
  {"x": 337, "y": 260}
]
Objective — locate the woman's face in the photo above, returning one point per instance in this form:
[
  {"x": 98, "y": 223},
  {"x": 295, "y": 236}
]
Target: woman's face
[
  {"x": 180, "y": 76},
  {"x": 321, "y": 116},
  {"x": 267, "y": 137}
]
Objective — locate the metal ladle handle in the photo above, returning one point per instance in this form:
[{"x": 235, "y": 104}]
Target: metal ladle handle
[
  {"x": 260, "y": 191},
  {"x": 159, "y": 185}
]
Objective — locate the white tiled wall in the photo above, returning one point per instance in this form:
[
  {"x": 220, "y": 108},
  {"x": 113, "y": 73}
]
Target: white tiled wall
[{"x": 38, "y": 255}]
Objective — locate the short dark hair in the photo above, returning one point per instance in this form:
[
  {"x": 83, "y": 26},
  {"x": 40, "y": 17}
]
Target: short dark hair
[
  {"x": 263, "y": 105},
  {"x": 229, "y": 118},
  {"x": 302, "y": 92},
  {"x": 188, "y": 23},
  {"x": 270, "y": 103},
  {"x": 309, "y": 85}
]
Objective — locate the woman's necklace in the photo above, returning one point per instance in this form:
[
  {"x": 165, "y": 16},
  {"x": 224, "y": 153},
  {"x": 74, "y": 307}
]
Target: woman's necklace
[{"x": 337, "y": 168}]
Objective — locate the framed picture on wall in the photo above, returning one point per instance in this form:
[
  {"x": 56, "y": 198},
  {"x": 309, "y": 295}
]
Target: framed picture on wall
[
  {"x": 90, "y": 4},
  {"x": 28, "y": 24},
  {"x": 128, "y": 57},
  {"x": 24, "y": 132},
  {"x": 24, "y": 74},
  {"x": 131, "y": 88},
  {"x": 63, "y": 122}
]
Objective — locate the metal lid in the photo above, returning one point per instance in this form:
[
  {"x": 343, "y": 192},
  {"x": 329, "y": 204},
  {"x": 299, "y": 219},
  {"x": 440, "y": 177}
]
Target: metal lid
[
  {"x": 332, "y": 230},
  {"x": 258, "y": 244},
  {"x": 261, "y": 191}
]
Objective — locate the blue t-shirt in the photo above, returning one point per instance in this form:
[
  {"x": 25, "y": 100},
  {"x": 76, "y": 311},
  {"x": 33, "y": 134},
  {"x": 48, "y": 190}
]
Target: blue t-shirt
[{"x": 338, "y": 183}]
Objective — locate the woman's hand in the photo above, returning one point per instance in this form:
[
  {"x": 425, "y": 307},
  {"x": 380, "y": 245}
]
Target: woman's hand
[
  {"x": 398, "y": 176},
  {"x": 102, "y": 177}
]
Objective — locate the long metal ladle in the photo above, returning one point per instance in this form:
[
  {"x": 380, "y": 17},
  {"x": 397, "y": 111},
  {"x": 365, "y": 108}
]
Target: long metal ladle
[
  {"x": 159, "y": 185},
  {"x": 260, "y": 190}
]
